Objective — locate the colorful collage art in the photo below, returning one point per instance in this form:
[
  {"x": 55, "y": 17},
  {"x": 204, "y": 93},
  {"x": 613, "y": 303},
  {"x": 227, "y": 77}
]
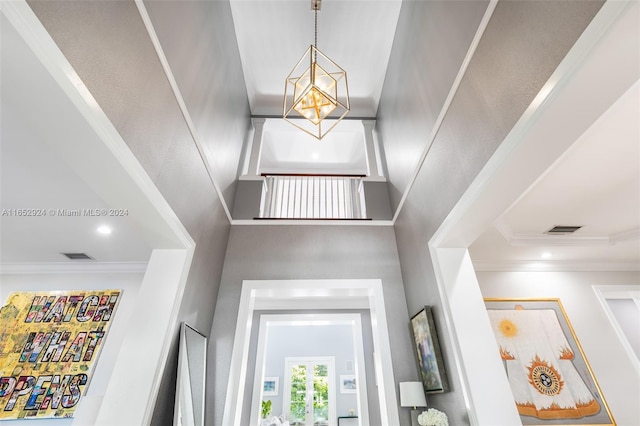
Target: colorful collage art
[{"x": 49, "y": 345}]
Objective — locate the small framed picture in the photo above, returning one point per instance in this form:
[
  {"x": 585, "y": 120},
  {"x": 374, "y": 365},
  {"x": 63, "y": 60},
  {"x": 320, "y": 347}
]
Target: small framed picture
[
  {"x": 270, "y": 386},
  {"x": 348, "y": 383}
]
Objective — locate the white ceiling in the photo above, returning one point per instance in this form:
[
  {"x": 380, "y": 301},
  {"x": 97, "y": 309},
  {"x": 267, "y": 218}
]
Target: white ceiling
[
  {"x": 36, "y": 116},
  {"x": 596, "y": 185},
  {"x": 273, "y": 35}
]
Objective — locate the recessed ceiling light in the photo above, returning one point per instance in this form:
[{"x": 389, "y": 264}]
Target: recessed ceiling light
[
  {"x": 315, "y": 155},
  {"x": 546, "y": 255},
  {"x": 104, "y": 230}
]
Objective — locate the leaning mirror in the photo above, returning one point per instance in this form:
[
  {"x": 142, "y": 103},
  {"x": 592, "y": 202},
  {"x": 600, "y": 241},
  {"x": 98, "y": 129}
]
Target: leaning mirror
[{"x": 190, "y": 383}]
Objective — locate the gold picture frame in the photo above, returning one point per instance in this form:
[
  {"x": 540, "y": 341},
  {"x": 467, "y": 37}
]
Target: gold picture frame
[{"x": 549, "y": 374}]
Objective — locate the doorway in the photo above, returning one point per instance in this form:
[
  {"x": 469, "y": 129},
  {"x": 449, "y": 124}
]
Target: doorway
[
  {"x": 310, "y": 391},
  {"x": 313, "y": 294},
  {"x": 307, "y": 354}
]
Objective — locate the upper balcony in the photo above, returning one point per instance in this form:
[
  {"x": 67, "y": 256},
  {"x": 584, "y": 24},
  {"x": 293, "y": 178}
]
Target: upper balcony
[{"x": 289, "y": 175}]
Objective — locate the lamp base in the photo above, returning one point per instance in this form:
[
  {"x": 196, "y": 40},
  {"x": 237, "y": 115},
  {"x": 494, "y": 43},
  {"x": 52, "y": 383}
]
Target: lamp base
[{"x": 414, "y": 417}]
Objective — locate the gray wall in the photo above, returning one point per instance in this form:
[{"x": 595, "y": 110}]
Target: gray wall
[
  {"x": 199, "y": 41},
  {"x": 307, "y": 252},
  {"x": 431, "y": 40},
  {"x": 108, "y": 46},
  {"x": 523, "y": 44}
]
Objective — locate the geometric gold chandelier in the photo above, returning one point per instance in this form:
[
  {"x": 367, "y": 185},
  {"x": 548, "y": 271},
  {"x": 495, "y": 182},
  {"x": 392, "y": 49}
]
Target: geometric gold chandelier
[{"x": 316, "y": 89}]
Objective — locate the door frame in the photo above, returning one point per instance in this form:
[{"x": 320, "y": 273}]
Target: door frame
[{"x": 313, "y": 294}]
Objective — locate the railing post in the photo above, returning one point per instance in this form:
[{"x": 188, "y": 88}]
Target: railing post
[
  {"x": 256, "y": 146},
  {"x": 369, "y": 147}
]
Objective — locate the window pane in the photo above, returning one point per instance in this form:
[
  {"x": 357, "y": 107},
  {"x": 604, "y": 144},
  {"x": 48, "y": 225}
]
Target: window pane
[
  {"x": 320, "y": 394},
  {"x": 298, "y": 407}
]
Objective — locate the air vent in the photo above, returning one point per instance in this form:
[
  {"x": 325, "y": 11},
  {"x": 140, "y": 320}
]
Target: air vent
[
  {"x": 563, "y": 229},
  {"x": 78, "y": 256}
]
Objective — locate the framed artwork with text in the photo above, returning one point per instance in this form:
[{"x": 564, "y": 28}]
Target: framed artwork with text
[{"x": 49, "y": 345}]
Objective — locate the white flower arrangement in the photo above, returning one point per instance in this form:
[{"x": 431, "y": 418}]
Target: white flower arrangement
[{"x": 433, "y": 417}]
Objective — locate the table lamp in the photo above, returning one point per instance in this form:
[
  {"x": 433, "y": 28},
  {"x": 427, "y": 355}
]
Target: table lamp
[{"x": 412, "y": 395}]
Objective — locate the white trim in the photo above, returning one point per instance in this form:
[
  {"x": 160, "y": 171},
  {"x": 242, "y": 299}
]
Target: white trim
[
  {"x": 447, "y": 103},
  {"x": 275, "y": 303},
  {"x": 79, "y": 267},
  {"x": 563, "y": 240},
  {"x": 553, "y": 265},
  {"x": 470, "y": 334},
  {"x": 254, "y": 290},
  {"x": 360, "y": 372},
  {"x": 560, "y": 240},
  {"x": 255, "y": 151},
  {"x": 162, "y": 287},
  {"x": 604, "y": 292},
  {"x": 373, "y": 163},
  {"x": 630, "y": 235}
]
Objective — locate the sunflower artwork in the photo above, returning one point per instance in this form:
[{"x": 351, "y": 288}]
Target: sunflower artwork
[{"x": 550, "y": 378}]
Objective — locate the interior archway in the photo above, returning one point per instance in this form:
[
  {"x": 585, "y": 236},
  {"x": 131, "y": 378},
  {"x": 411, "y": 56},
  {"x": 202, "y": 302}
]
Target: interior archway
[{"x": 307, "y": 295}]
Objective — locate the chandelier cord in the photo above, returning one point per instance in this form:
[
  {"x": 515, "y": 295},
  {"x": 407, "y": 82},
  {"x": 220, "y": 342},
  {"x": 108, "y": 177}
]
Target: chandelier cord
[
  {"x": 315, "y": 34},
  {"x": 315, "y": 39}
]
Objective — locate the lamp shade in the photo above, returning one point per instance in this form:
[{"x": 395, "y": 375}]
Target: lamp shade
[{"x": 412, "y": 394}]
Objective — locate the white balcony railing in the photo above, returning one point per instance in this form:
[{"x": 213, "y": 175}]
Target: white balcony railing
[{"x": 312, "y": 197}]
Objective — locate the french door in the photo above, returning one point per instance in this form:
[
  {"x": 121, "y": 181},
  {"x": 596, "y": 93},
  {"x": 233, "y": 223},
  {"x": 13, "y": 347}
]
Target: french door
[{"x": 310, "y": 391}]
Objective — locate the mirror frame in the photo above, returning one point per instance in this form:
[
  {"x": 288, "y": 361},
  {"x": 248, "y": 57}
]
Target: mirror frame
[{"x": 191, "y": 378}]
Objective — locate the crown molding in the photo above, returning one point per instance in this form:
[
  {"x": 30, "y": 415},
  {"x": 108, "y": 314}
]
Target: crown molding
[
  {"x": 563, "y": 240},
  {"x": 553, "y": 266},
  {"x": 78, "y": 267},
  {"x": 630, "y": 235}
]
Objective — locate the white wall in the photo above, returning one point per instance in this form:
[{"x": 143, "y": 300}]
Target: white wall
[
  {"x": 130, "y": 284},
  {"x": 612, "y": 367}
]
